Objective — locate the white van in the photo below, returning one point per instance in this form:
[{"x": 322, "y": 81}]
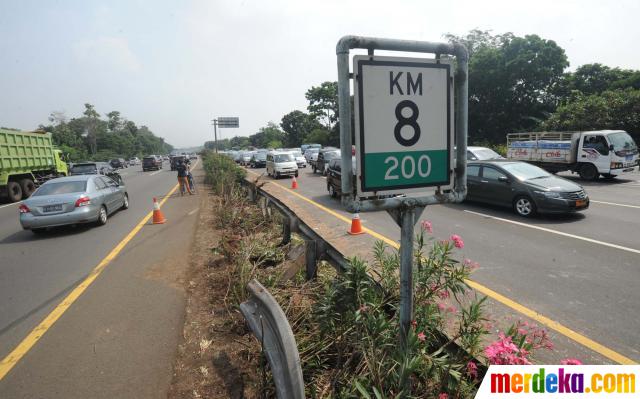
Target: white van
[{"x": 281, "y": 164}]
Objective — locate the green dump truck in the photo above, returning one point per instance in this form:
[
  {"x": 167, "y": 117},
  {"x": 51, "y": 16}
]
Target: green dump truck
[{"x": 27, "y": 159}]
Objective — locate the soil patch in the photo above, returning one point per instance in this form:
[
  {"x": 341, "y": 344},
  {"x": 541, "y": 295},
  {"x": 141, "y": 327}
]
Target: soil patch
[{"x": 217, "y": 358}]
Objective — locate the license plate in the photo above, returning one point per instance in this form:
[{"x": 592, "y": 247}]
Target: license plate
[
  {"x": 581, "y": 203},
  {"x": 52, "y": 208}
]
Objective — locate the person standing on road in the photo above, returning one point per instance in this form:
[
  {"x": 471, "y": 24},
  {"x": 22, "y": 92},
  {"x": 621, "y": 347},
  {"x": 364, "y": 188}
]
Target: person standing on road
[
  {"x": 190, "y": 177},
  {"x": 183, "y": 180}
]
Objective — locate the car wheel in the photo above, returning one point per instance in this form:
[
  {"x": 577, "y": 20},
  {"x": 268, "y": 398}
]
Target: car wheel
[
  {"x": 524, "y": 206},
  {"x": 277, "y": 175},
  {"x": 102, "y": 216},
  {"x": 296, "y": 173},
  {"x": 38, "y": 232},
  {"x": 588, "y": 172},
  {"x": 332, "y": 191},
  {"x": 125, "y": 202},
  {"x": 314, "y": 169},
  {"x": 28, "y": 187},
  {"x": 14, "y": 191},
  {"x": 608, "y": 176}
]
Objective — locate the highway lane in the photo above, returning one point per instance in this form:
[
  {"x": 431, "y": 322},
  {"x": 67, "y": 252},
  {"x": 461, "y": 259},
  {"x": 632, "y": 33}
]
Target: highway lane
[
  {"x": 36, "y": 272},
  {"x": 585, "y": 285}
]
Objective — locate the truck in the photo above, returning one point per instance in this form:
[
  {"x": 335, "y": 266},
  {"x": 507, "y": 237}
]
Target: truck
[
  {"x": 591, "y": 154},
  {"x": 27, "y": 159}
]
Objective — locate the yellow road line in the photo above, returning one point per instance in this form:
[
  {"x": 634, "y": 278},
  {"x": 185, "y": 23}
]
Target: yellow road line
[
  {"x": 34, "y": 336},
  {"x": 551, "y": 324}
]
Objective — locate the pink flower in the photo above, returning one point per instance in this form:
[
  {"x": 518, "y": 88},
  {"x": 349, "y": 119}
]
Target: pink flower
[
  {"x": 421, "y": 336},
  {"x": 472, "y": 369},
  {"x": 363, "y": 308},
  {"x": 414, "y": 323},
  {"x": 443, "y": 395},
  {"x": 442, "y": 306},
  {"x": 471, "y": 264},
  {"x": 570, "y": 362},
  {"x": 443, "y": 294},
  {"x": 457, "y": 241},
  {"x": 504, "y": 351},
  {"x": 451, "y": 309},
  {"x": 426, "y": 226}
]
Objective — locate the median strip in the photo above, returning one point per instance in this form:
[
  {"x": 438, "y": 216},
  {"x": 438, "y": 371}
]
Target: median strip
[{"x": 543, "y": 320}]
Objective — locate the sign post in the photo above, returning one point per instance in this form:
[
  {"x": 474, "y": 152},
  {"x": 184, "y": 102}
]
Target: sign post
[
  {"x": 223, "y": 121},
  {"x": 404, "y": 120}
]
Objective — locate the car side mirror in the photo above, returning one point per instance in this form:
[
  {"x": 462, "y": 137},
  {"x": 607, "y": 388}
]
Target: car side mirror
[
  {"x": 610, "y": 147},
  {"x": 503, "y": 179}
]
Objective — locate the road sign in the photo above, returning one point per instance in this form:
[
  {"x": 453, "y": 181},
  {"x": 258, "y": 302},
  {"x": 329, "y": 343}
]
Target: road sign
[
  {"x": 404, "y": 123},
  {"x": 228, "y": 122}
]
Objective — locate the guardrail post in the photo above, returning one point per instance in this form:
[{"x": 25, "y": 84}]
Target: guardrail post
[
  {"x": 311, "y": 259},
  {"x": 286, "y": 230}
]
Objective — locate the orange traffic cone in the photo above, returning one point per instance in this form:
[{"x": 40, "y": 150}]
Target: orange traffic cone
[
  {"x": 294, "y": 183},
  {"x": 158, "y": 217},
  {"x": 356, "y": 226}
]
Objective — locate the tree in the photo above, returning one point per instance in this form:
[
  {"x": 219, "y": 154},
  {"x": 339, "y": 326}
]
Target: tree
[
  {"x": 318, "y": 136},
  {"x": 510, "y": 82},
  {"x": 57, "y": 117},
  {"x": 297, "y": 125},
  {"x": 268, "y": 134},
  {"x": 114, "y": 122},
  {"x": 323, "y": 103},
  {"x": 614, "y": 109},
  {"x": 91, "y": 138},
  {"x": 596, "y": 78}
]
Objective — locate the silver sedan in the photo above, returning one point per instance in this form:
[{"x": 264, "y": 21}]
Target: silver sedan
[{"x": 73, "y": 200}]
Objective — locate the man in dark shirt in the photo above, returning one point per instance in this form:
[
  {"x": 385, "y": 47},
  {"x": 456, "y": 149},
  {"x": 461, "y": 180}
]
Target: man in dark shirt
[{"x": 183, "y": 178}]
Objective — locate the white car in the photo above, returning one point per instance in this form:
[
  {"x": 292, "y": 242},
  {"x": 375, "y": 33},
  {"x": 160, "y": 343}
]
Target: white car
[
  {"x": 281, "y": 164},
  {"x": 300, "y": 159},
  {"x": 482, "y": 154}
]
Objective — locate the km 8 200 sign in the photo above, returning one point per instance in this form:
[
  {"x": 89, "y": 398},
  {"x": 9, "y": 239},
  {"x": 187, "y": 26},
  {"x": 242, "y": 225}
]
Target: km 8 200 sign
[{"x": 404, "y": 123}]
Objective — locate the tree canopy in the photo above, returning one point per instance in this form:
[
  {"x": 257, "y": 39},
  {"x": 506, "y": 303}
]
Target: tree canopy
[{"x": 89, "y": 137}]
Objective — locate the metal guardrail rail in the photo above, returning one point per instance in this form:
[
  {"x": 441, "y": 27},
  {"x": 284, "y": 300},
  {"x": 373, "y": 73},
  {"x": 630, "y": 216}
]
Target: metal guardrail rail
[
  {"x": 316, "y": 248},
  {"x": 270, "y": 325}
]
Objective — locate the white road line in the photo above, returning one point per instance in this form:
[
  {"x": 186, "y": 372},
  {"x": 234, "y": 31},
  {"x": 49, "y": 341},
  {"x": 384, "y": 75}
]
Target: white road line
[
  {"x": 606, "y": 244},
  {"x": 193, "y": 211},
  {"x": 616, "y": 204},
  {"x": 155, "y": 173},
  {"x": 4, "y": 206}
]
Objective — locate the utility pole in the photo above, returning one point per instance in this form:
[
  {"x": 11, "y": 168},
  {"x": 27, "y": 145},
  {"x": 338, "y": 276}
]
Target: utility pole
[{"x": 215, "y": 134}]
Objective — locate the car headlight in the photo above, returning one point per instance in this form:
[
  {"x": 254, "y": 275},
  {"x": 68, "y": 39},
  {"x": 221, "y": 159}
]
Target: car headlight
[{"x": 548, "y": 194}]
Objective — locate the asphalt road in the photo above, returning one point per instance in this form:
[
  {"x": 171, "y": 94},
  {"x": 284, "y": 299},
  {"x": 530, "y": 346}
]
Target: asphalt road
[
  {"x": 581, "y": 270},
  {"x": 119, "y": 338}
]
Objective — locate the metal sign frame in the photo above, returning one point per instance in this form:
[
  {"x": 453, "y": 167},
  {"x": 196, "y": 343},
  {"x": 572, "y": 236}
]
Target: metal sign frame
[
  {"x": 359, "y": 62},
  {"x": 404, "y": 210},
  {"x": 457, "y": 194}
]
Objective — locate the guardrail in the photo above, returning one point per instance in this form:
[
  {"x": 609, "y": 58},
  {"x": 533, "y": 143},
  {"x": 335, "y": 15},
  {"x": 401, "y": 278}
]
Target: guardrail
[
  {"x": 269, "y": 324},
  {"x": 316, "y": 248}
]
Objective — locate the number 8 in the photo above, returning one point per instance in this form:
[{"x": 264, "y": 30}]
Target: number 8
[{"x": 410, "y": 121}]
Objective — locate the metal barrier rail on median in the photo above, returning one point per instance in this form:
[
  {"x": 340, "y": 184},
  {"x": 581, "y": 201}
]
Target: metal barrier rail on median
[{"x": 316, "y": 248}]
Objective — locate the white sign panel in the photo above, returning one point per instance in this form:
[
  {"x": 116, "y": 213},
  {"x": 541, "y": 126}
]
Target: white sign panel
[{"x": 404, "y": 123}]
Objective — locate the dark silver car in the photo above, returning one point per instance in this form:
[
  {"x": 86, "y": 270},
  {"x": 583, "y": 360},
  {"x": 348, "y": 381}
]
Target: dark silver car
[
  {"x": 526, "y": 188},
  {"x": 73, "y": 200}
]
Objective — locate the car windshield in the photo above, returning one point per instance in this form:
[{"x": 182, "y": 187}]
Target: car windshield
[
  {"x": 283, "y": 158},
  {"x": 525, "y": 171},
  {"x": 296, "y": 153},
  {"x": 332, "y": 155},
  {"x": 261, "y": 156},
  {"x": 64, "y": 187},
  {"x": 622, "y": 141},
  {"x": 486, "y": 154},
  {"x": 84, "y": 169}
]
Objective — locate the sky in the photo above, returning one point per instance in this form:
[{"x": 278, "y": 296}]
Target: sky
[{"x": 176, "y": 65}]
